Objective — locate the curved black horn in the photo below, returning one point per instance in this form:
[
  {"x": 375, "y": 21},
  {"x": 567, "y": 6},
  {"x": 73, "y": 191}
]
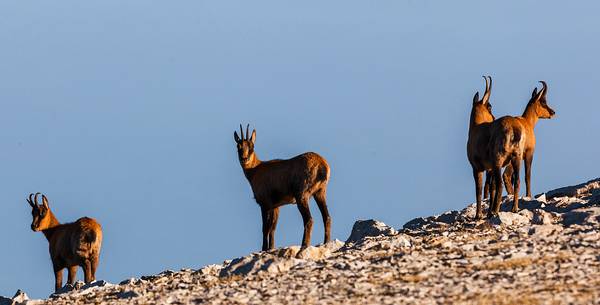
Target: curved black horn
[
  {"x": 30, "y": 200},
  {"x": 36, "y": 197},
  {"x": 544, "y": 88},
  {"x": 45, "y": 201},
  {"x": 247, "y": 133},
  {"x": 242, "y": 132},
  {"x": 488, "y": 89}
]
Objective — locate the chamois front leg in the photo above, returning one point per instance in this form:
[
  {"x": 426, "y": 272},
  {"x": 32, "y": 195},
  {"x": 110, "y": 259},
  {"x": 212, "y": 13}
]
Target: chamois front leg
[
  {"x": 516, "y": 164},
  {"x": 87, "y": 271},
  {"x": 498, "y": 195},
  {"x": 273, "y": 217},
  {"x": 528, "y": 161},
  {"x": 58, "y": 273},
  {"x": 94, "y": 267},
  {"x": 478, "y": 176},
  {"x": 72, "y": 275},
  {"x": 265, "y": 228},
  {"x": 302, "y": 202}
]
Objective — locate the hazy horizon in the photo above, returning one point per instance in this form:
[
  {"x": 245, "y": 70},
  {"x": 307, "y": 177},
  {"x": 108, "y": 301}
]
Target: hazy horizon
[{"x": 125, "y": 112}]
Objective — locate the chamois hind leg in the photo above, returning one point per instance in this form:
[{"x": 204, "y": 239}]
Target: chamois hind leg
[
  {"x": 492, "y": 188},
  {"x": 495, "y": 201},
  {"x": 321, "y": 199},
  {"x": 72, "y": 275},
  {"x": 94, "y": 267},
  {"x": 486, "y": 185},
  {"x": 507, "y": 179},
  {"x": 516, "y": 164},
  {"x": 272, "y": 217},
  {"x": 302, "y": 203},
  {"x": 528, "y": 161},
  {"x": 498, "y": 195},
  {"x": 478, "y": 176},
  {"x": 87, "y": 271}
]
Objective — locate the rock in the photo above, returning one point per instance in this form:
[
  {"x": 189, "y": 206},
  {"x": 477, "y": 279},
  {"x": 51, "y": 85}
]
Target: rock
[
  {"x": 369, "y": 228},
  {"x": 129, "y": 281},
  {"x": 97, "y": 283},
  {"x": 417, "y": 223},
  {"x": 65, "y": 289},
  {"x": 448, "y": 217},
  {"x": 129, "y": 294},
  {"x": 541, "y": 198},
  {"x": 210, "y": 270},
  {"x": 278, "y": 260},
  {"x": 449, "y": 258},
  {"x": 545, "y": 229},
  {"x": 320, "y": 252},
  {"x": 20, "y": 298},
  {"x": 541, "y": 217},
  {"x": 582, "y": 216},
  {"x": 510, "y": 219},
  {"x": 575, "y": 190}
]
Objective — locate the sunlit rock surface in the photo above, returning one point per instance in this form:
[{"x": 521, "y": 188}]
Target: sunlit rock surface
[{"x": 548, "y": 253}]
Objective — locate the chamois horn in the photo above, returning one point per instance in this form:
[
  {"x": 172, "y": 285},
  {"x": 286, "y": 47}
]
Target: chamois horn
[
  {"x": 544, "y": 88},
  {"x": 488, "y": 89}
]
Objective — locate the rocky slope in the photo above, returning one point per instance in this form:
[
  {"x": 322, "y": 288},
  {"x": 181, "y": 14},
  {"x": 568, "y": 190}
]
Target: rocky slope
[{"x": 548, "y": 253}]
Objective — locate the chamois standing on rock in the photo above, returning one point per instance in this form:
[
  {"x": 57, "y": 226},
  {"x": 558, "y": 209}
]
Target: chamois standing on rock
[
  {"x": 537, "y": 108},
  {"x": 279, "y": 182},
  {"x": 480, "y": 122},
  {"x": 71, "y": 244},
  {"x": 513, "y": 140}
]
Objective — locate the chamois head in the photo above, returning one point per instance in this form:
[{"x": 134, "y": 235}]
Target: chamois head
[
  {"x": 482, "y": 109},
  {"x": 42, "y": 216},
  {"x": 539, "y": 104},
  {"x": 245, "y": 146}
]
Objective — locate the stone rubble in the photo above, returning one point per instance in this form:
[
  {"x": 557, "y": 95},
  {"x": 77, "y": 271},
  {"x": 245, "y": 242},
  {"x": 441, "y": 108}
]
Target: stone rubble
[{"x": 548, "y": 253}]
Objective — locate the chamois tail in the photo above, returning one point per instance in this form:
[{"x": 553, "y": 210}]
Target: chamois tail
[
  {"x": 323, "y": 173},
  {"x": 90, "y": 236}
]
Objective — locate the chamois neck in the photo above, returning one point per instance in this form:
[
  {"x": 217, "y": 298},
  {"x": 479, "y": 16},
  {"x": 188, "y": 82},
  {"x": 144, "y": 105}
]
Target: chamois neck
[
  {"x": 250, "y": 167},
  {"x": 530, "y": 114},
  {"x": 477, "y": 119},
  {"x": 52, "y": 224}
]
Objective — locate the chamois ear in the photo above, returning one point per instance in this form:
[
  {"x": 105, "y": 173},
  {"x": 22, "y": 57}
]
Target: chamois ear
[
  {"x": 236, "y": 137},
  {"x": 45, "y": 202},
  {"x": 534, "y": 93},
  {"x": 476, "y": 97},
  {"x": 253, "y": 137}
]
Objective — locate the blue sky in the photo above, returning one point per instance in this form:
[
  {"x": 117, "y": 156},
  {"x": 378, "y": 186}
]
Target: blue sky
[{"x": 124, "y": 111}]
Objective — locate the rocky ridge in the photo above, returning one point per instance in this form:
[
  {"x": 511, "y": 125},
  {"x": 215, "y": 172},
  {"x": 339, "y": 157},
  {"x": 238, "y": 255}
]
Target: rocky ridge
[{"x": 548, "y": 253}]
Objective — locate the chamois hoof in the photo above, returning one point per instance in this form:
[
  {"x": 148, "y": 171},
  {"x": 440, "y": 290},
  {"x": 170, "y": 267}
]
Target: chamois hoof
[{"x": 301, "y": 253}]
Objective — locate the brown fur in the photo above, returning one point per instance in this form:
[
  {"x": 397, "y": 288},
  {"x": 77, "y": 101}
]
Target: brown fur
[
  {"x": 70, "y": 244},
  {"x": 279, "y": 182},
  {"x": 479, "y": 134},
  {"x": 537, "y": 108},
  {"x": 513, "y": 140},
  {"x": 506, "y": 146}
]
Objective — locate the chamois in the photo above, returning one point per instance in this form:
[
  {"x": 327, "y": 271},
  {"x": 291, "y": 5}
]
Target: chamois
[
  {"x": 514, "y": 141},
  {"x": 279, "y": 182},
  {"x": 537, "y": 108},
  {"x": 71, "y": 244},
  {"x": 479, "y": 132}
]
